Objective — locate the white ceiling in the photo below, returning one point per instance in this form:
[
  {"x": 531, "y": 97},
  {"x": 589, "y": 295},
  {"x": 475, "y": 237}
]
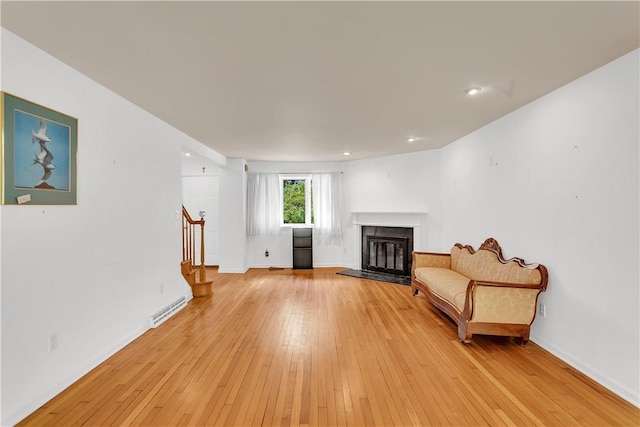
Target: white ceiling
[{"x": 306, "y": 81}]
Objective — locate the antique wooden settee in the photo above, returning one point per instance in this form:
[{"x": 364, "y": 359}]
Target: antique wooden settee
[{"x": 480, "y": 290}]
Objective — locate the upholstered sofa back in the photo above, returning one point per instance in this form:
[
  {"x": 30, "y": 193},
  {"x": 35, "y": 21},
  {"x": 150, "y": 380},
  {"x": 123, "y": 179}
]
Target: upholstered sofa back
[{"x": 485, "y": 265}]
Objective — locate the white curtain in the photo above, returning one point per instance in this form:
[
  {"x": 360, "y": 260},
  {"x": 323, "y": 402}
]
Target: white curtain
[
  {"x": 264, "y": 204},
  {"x": 326, "y": 203}
]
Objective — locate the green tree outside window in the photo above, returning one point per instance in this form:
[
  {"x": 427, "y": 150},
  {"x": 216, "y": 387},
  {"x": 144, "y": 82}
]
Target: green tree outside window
[{"x": 293, "y": 201}]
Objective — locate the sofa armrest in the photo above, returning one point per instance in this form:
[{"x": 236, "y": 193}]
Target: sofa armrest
[
  {"x": 429, "y": 259},
  {"x": 499, "y": 302}
]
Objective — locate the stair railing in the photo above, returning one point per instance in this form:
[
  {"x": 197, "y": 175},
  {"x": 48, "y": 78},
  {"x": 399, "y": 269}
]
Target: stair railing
[{"x": 189, "y": 241}]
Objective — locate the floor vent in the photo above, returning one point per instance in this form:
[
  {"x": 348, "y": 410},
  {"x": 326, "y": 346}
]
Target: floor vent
[{"x": 167, "y": 312}]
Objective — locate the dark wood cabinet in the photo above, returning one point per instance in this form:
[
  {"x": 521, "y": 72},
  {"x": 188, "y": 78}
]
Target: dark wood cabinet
[{"x": 302, "y": 248}]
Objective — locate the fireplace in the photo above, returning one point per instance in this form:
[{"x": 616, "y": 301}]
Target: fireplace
[{"x": 387, "y": 249}]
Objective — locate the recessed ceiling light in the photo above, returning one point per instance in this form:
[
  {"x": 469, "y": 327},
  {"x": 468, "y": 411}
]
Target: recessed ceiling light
[
  {"x": 473, "y": 91},
  {"x": 412, "y": 139},
  {"x": 347, "y": 153},
  {"x": 187, "y": 154}
]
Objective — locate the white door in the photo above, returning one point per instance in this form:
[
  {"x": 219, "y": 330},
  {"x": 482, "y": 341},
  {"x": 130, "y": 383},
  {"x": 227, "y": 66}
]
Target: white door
[{"x": 200, "y": 193}]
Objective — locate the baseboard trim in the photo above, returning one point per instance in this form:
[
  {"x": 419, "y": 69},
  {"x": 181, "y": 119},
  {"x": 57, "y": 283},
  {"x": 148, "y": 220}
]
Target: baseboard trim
[
  {"x": 264, "y": 266},
  {"x": 613, "y": 386},
  {"x": 26, "y": 410},
  {"x": 291, "y": 266},
  {"x": 231, "y": 270}
]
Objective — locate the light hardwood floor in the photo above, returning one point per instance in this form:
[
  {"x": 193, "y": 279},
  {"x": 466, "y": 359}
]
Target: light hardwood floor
[{"x": 311, "y": 348}]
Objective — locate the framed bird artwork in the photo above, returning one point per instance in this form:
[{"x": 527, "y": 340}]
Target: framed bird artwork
[{"x": 39, "y": 154}]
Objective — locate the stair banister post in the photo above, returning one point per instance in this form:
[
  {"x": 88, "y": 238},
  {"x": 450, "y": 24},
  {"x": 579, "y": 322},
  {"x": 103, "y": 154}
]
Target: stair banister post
[
  {"x": 200, "y": 286},
  {"x": 203, "y": 271}
]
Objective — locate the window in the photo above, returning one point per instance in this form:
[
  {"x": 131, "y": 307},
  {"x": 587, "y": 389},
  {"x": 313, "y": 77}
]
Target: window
[
  {"x": 297, "y": 205},
  {"x": 275, "y": 201}
]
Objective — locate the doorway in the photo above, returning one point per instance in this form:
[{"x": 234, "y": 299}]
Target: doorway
[{"x": 201, "y": 193}]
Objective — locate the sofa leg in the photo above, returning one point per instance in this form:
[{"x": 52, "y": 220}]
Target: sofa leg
[
  {"x": 522, "y": 341},
  {"x": 415, "y": 291},
  {"x": 465, "y": 338}
]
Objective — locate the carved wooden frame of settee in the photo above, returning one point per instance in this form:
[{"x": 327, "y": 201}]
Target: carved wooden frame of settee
[{"x": 466, "y": 328}]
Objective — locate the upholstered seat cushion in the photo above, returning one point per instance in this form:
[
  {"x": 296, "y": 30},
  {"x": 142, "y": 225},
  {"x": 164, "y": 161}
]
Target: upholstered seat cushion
[{"x": 447, "y": 283}]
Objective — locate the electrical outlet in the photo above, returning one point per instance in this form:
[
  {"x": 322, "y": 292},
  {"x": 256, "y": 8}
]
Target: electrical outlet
[
  {"x": 53, "y": 342},
  {"x": 266, "y": 253},
  {"x": 542, "y": 310}
]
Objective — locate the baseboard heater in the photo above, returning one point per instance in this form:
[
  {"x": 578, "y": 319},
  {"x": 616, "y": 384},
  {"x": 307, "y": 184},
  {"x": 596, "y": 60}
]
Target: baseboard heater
[{"x": 162, "y": 315}]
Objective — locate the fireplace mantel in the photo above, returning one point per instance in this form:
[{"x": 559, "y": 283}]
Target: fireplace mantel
[
  {"x": 390, "y": 212},
  {"x": 391, "y": 219},
  {"x": 413, "y": 219}
]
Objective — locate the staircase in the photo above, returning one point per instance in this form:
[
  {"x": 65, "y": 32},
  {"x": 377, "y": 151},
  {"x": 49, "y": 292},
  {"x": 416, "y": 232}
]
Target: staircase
[{"x": 196, "y": 276}]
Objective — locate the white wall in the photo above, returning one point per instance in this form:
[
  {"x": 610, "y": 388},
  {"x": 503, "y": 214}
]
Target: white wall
[
  {"x": 233, "y": 236},
  {"x": 200, "y": 186},
  {"x": 201, "y": 193},
  {"x": 1, "y": 38},
  {"x": 393, "y": 190},
  {"x": 90, "y": 274},
  {"x": 192, "y": 165},
  {"x": 556, "y": 182}
]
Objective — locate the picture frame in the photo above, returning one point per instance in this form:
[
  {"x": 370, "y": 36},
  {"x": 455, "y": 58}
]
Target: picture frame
[{"x": 38, "y": 156}]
